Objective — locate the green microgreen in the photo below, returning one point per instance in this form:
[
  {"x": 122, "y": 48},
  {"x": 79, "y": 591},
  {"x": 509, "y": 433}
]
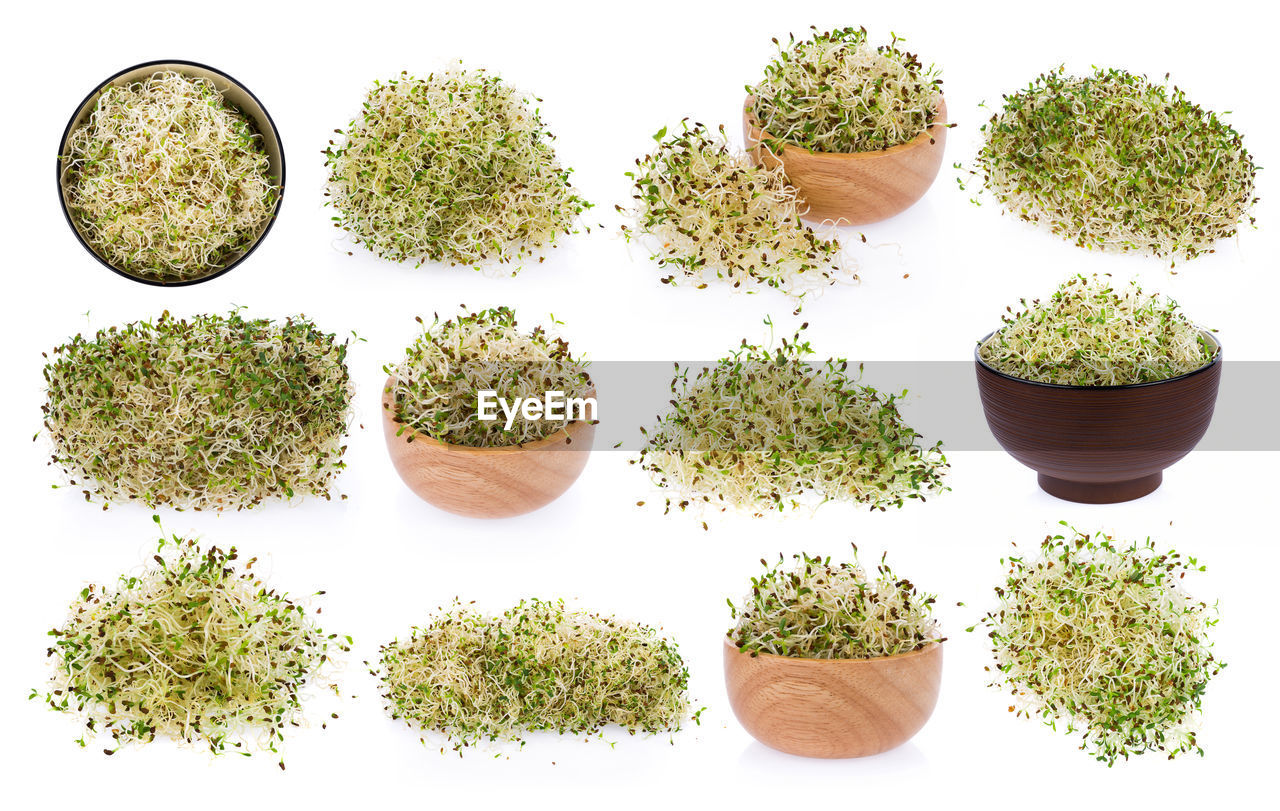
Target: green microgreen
[
  {"x": 712, "y": 213},
  {"x": 1101, "y": 634},
  {"x": 766, "y": 427},
  {"x": 835, "y": 92},
  {"x": 211, "y": 412},
  {"x": 1114, "y": 161},
  {"x": 195, "y": 648},
  {"x": 1093, "y": 333},
  {"x": 457, "y": 167},
  {"x": 815, "y": 609},
  {"x": 538, "y": 666},
  {"x": 435, "y": 386}
]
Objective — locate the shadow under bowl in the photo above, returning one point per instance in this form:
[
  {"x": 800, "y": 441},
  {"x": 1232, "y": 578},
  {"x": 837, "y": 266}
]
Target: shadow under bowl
[
  {"x": 856, "y": 188},
  {"x": 1099, "y": 444},
  {"x": 234, "y": 94},
  {"x": 487, "y": 482},
  {"x": 833, "y": 708}
]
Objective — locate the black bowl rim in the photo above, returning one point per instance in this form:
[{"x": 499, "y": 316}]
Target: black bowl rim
[
  {"x": 66, "y": 133},
  {"x": 1217, "y": 358}
]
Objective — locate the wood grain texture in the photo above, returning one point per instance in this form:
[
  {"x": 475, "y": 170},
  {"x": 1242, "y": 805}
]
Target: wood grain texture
[
  {"x": 833, "y": 708},
  {"x": 1100, "y": 444},
  {"x": 487, "y": 482},
  {"x": 855, "y": 188}
]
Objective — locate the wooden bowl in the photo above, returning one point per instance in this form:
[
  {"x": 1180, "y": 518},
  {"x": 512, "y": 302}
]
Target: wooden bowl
[
  {"x": 487, "y": 482},
  {"x": 1099, "y": 444},
  {"x": 833, "y": 708},
  {"x": 855, "y": 188},
  {"x": 236, "y": 95}
]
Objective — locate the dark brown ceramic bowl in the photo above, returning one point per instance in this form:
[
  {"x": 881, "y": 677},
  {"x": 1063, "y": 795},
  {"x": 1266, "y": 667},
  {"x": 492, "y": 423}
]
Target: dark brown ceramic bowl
[{"x": 1099, "y": 444}]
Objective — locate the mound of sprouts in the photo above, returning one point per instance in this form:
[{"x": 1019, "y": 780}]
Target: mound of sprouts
[
  {"x": 194, "y": 648},
  {"x": 166, "y": 180},
  {"x": 835, "y": 92},
  {"x": 1100, "y": 634},
  {"x": 457, "y": 167},
  {"x": 538, "y": 666},
  {"x": 435, "y": 388},
  {"x": 1115, "y": 162},
  {"x": 211, "y": 412},
  {"x": 819, "y": 610},
  {"x": 710, "y": 212},
  {"x": 1092, "y": 333},
  {"x": 767, "y": 428}
]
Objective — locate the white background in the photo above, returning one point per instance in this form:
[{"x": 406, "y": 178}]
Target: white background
[{"x": 611, "y": 75}]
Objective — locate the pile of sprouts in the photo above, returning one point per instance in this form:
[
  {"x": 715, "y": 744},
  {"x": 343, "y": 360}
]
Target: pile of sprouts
[
  {"x": 1100, "y": 634},
  {"x": 538, "y": 666},
  {"x": 434, "y": 389},
  {"x": 710, "y": 212},
  {"x": 1093, "y": 333},
  {"x": 194, "y": 648},
  {"x": 1114, "y": 162},
  {"x": 835, "y": 92},
  {"x": 767, "y": 428},
  {"x": 820, "y": 610},
  {"x": 457, "y": 167},
  {"x": 166, "y": 180},
  {"x": 212, "y": 412}
]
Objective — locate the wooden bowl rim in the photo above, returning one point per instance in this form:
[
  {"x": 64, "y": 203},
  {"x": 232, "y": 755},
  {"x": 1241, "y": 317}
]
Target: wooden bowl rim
[
  {"x": 924, "y": 138},
  {"x": 570, "y": 431},
  {"x": 264, "y": 122},
  {"x": 808, "y": 661},
  {"x": 1217, "y": 359}
]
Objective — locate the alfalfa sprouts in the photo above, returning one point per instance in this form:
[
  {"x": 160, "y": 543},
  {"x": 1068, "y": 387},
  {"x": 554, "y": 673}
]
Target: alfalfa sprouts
[
  {"x": 457, "y": 167},
  {"x": 210, "y": 412},
  {"x": 836, "y": 92},
  {"x": 435, "y": 387},
  {"x": 1102, "y": 635},
  {"x": 771, "y": 428},
  {"x": 473, "y": 677},
  {"x": 1116, "y": 162},
  {"x": 1092, "y": 332},
  {"x": 166, "y": 180},
  {"x": 816, "y": 609},
  {"x": 195, "y": 648},
  {"x": 710, "y": 213}
]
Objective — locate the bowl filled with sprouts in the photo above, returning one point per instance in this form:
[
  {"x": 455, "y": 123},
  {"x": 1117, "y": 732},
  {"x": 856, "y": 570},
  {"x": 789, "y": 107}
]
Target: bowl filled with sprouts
[
  {"x": 1098, "y": 388},
  {"x": 171, "y": 173},
  {"x": 484, "y": 420},
  {"x": 859, "y": 129},
  {"x": 829, "y": 660}
]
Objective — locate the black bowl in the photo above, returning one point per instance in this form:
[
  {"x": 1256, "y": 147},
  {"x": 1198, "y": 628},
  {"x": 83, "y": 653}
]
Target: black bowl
[{"x": 235, "y": 94}]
